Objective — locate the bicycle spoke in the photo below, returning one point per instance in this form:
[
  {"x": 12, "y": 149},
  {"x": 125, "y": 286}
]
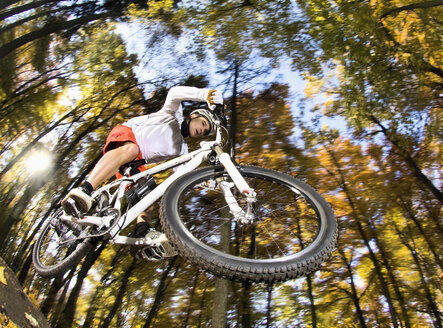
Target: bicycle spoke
[
  {"x": 207, "y": 215},
  {"x": 279, "y": 212},
  {"x": 54, "y": 245},
  {"x": 273, "y": 239},
  {"x": 213, "y": 230}
]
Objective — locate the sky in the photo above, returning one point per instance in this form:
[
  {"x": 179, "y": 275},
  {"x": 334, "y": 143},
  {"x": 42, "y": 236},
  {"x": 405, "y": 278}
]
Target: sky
[{"x": 156, "y": 64}]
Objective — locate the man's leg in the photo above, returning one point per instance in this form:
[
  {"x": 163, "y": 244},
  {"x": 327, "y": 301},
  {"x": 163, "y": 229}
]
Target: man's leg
[
  {"x": 111, "y": 162},
  {"x": 142, "y": 227},
  {"x": 78, "y": 200}
]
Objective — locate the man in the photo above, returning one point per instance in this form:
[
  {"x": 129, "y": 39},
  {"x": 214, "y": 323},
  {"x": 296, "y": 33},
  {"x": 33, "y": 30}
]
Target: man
[{"x": 154, "y": 137}]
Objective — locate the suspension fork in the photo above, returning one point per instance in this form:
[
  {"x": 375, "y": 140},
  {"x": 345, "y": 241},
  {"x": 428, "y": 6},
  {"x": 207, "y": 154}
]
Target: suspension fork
[{"x": 241, "y": 184}]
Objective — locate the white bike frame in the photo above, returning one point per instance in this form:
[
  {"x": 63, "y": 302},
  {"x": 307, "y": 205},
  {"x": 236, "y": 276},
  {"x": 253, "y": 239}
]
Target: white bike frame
[{"x": 188, "y": 162}]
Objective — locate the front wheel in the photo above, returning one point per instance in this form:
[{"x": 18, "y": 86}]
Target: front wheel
[
  {"x": 293, "y": 233},
  {"x": 57, "y": 248}
]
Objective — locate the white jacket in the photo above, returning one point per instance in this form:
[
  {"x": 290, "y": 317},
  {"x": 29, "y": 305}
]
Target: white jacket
[{"x": 159, "y": 134}]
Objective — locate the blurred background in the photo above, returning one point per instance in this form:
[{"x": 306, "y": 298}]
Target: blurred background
[{"x": 344, "y": 95}]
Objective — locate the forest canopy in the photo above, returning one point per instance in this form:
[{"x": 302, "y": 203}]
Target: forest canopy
[{"x": 362, "y": 125}]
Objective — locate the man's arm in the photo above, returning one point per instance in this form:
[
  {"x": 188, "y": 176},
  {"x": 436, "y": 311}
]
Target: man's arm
[{"x": 178, "y": 94}]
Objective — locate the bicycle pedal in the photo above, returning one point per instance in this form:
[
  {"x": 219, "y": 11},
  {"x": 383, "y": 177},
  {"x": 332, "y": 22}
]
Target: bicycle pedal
[
  {"x": 158, "y": 250},
  {"x": 70, "y": 208}
]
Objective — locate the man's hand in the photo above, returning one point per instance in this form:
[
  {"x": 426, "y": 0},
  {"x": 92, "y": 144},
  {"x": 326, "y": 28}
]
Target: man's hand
[{"x": 215, "y": 97}]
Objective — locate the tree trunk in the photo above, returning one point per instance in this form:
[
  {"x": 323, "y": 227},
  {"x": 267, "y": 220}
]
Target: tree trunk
[
  {"x": 269, "y": 306},
  {"x": 29, "y": 147},
  {"x": 23, "y": 8},
  {"x": 24, "y": 247},
  {"x": 191, "y": 300},
  {"x": 431, "y": 304},
  {"x": 311, "y": 301},
  {"x": 159, "y": 295},
  {"x": 35, "y": 186},
  {"x": 16, "y": 308},
  {"x": 49, "y": 29},
  {"x": 308, "y": 281},
  {"x": 121, "y": 292},
  {"x": 409, "y": 214},
  {"x": 354, "y": 295},
  {"x": 15, "y": 213},
  {"x": 39, "y": 14},
  {"x": 57, "y": 309},
  {"x": 67, "y": 319},
  {"x": 245, "y": 305},
  {"x": 410, "y": 162},
  {"x": 47, "y": 305},
  {"x": 22, "y": 21},
  {"x": 220, "y": 308},
  {"x": 355, "y": 215},
  {"x": 104, "y": 284},
  {"x": 20, "y": 97},
  {"x": 23, "y": 273},
  {"x": 93, "y": 306},
  {"x": 6, "y": 3},
  {"x": 385, "y": 259},
  {"x": 233, "y": 128},
  {"x": 420, "y": 5},
  {"x": 200, "y": 319}
]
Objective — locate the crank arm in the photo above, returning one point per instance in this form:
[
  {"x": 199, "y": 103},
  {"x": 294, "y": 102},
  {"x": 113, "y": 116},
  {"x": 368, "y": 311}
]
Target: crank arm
[
  {"x": 140, "y": 241},
  {"x": 97, "y": 221}
]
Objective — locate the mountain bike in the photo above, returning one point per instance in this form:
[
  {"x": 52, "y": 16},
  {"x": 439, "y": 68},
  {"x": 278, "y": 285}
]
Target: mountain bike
[{"x": 240, "y": 222}]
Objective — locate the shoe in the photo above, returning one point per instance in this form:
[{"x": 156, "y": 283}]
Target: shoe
[
  {"x": 140, "y": 230},
  {"x": 76, "y": 202},
  {"x": 160, "y": 249}
]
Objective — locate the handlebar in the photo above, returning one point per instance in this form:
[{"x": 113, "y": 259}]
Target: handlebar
[{"x": 219, "y": 111}]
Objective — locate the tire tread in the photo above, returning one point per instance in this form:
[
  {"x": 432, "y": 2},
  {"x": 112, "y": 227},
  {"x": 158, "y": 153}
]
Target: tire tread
[{"x": 223, "y": 267}]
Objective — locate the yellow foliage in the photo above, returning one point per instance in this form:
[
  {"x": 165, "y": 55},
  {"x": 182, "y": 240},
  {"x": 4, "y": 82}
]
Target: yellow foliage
[
  {"x": 5, "y": 322},
  {"x": 313, "y": 86},
  {"x": 2, "y": 276},
  {"x": 155, "y": 7}
]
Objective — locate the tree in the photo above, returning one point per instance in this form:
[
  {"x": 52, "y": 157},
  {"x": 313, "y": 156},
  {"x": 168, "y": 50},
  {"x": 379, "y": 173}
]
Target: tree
[
  {"x": 164, "y": 282},
  {"x": 17, "y": 308},
  {"x": 389, "y": 74},
  {"x": 61, "y": 18},
  {"x": 101, "y": 107},
  {"x": 67, "y": 317},
  {"x": 369, "y": 192},
  {"x": 379, "y": 65},
  {"x": 119, "y": 297}
]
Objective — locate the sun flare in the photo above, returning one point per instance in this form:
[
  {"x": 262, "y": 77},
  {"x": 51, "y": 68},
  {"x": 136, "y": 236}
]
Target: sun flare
[{"x": 39, "y": 161}]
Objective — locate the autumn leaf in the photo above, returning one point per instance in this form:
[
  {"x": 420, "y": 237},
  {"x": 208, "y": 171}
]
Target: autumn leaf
[{"x": 2, "y": 276}]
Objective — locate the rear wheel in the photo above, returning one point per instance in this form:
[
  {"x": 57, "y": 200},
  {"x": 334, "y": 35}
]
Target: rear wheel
[
  {"x": 294, "y": 230},
  {"x": 56, "y": 249}
]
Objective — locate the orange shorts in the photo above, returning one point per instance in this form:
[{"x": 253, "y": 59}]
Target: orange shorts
[{"x": 117, "y": 137}]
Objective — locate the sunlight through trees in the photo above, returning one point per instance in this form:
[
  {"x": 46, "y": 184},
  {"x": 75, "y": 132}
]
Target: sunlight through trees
[{"x": 67, "y": 77}]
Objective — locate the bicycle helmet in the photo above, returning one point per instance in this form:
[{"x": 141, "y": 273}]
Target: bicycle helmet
[{"x": 208, "y": 115}]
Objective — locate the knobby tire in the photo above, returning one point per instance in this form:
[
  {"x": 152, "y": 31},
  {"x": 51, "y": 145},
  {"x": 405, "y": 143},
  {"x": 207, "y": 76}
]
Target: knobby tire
[
  {"x": 294, "y": 233},
  {"x": 46, "y": 246}
]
